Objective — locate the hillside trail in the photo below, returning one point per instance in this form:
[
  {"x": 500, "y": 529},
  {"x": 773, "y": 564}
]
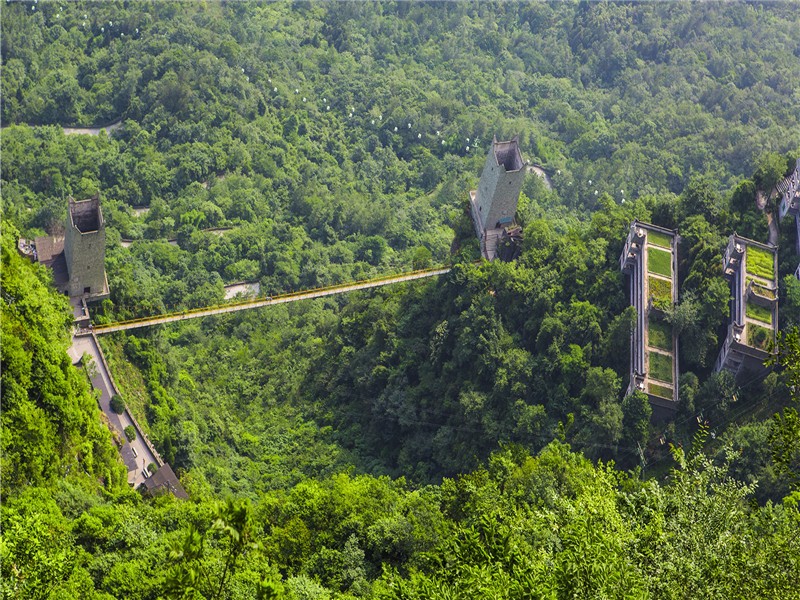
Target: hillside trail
[
  {"x": 109, "y": 129},
  {"x": 761, "y": 204}
]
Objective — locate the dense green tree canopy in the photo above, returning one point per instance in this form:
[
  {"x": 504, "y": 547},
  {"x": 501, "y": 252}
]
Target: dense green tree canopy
[{"x": 466, "y": 436}]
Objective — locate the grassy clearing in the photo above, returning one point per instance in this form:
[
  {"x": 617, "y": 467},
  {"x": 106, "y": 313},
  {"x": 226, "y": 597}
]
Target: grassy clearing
[
  {"x": 660, "y": 390},
  {"x": 758, "y": 337},
  {"x": 760, "y": 263},
  {"x": 659, "y": 261},
  {"x": 759, "y": 313},
  {"x": 659, "y": 335},
  {"x": 661, "y": 367},
  {"x": 661, "y": 292},
  {"x": 659, "y": 239}
]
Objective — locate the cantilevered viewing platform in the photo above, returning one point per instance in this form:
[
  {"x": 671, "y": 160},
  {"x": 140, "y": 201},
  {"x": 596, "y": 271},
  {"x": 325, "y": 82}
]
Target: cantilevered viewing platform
[
  {"x": 650, "y": 257},
  {"x": 752, "y": 269}
]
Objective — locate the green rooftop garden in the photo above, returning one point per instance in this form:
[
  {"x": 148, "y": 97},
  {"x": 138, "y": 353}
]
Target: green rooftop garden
[
  {"x": 660, "y": 292},
  {"x": 759, "y": 313},
  {"x": 659, "y": 335},
  {"x": 660, "y": 367},
  {"x": 759, "y": 262},
  {"x": 660, "y": 390},
  {"x": 659, "y": 239},
  {"x": 762, "y": 290},
  {"x": 659, "y": 261},
  {"x": 758, "y": 337}
]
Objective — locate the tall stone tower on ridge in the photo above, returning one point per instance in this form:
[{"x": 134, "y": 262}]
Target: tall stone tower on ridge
[
  {"x": 494, "y": 203},
  {"x": 85, "y": 249}
]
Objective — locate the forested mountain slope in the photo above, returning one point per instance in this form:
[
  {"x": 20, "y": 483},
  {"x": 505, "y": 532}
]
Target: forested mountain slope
[
  {"x": 241, "y": 116},
  {"x": 520, "y": 527},
  {"x": 450, "y": 438}
]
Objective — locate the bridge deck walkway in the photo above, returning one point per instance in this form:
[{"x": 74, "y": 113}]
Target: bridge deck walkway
[{"x": 269, "y": 301}]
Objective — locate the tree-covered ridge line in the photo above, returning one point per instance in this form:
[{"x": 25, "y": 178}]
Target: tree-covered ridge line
[
  {"x": 548, "y": 525},
  {"x": 440, "y": 440},
  {"x": 319, "y": 197},
  {"x": 432, "y": 66},
  {"x": 498, "y": 352},
  {"x": 51, "y": 424}
]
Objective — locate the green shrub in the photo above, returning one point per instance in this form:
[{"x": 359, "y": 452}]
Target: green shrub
[
  {"x": 660, "y": 292},
  {"x": 659, "y": 335},
  {"x": 760, "y": 263},
  {"x": 758, "y": 312},
  {"x": 661, "y": 367},
  {"x": 758, "y": 337},
  {"x": 130, "y": 433},
  {"x": 152, "y": 468},
  {"x": 117, "y": 404},
  {"x": 659, "y": 261},
  {"x": 660, "y": 390},
  {"x": 659, "y": 239}
]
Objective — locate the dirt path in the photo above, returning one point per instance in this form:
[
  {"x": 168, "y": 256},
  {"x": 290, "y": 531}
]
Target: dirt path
[
  {"x": 774, "y": 234},
  {"x": 92, "y": 130},
  {"x": 540, "y": 172},
  {"x": 111, "y": 127},
  {"x": 761, "y": 204},
  {"x": 251, "y": 288}
]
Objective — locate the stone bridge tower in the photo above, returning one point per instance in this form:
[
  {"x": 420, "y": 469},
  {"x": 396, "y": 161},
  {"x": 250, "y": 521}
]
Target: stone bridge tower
[
  {"x": 85, "y": 249},
  {"x": 494, "y": 204}
]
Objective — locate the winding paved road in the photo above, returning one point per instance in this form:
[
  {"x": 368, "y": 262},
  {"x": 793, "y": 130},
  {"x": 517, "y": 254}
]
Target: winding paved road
[
  {"x": 257, "y": 303},
  {"x": 101, "y": 380}
]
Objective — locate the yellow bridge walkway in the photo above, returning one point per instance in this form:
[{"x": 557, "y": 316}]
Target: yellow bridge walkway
[{"x": 268, "y": 301}]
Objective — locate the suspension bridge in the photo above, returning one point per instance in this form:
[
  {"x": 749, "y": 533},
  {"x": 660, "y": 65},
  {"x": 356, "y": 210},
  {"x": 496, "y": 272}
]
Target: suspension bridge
[{"x": 269, "y": 300}]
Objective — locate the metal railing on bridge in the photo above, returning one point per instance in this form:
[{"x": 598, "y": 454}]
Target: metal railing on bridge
[{"x": 267, "y": 300}]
